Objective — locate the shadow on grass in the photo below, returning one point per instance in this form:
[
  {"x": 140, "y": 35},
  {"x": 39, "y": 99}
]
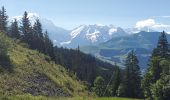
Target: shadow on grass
[{"x": 5, "y": 63}]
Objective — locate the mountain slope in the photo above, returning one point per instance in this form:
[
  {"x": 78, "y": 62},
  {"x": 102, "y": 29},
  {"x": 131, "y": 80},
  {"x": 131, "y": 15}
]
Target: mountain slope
[
  {"x": 92, "y": 35},
  {"x": 116, "y": 49},
  {"x": 34, "y": 73},
  {"x": 55, "y": 33}
]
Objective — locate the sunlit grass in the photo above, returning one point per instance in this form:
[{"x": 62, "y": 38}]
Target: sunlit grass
[
  {"x": 27, "y": 63},
  {"x": 30, "y": 97}
]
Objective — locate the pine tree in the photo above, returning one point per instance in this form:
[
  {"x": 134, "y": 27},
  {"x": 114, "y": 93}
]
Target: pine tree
[
  {"x": 116, "y": 81},
  {"x": 14, "y": 30},
  {"x": 161, "y": 89},
  {"x": 151, "y": 76},
  {"x": 3, "y": 20},
  {"x": 49, "y": 50},
  {"x": 26, "y": 29},
  {"x": 155, "y": 83},
  {"x": 162, "y": 49},
  {"x": 38, "y": 39},
  {"x": 132, "y": 78}
]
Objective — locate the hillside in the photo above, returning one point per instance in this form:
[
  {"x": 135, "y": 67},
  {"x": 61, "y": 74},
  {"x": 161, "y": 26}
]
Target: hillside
[
  {"x": 86, "y": 66},
  {"x": 33, "y": 73},
  {"x": 116, "y": 49}
]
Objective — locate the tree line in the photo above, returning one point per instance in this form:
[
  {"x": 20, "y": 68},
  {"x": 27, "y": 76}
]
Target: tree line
[
  {"x": 128, "y": 82},
  {"x": 84, "y": 66},
  {"x": 32, "y": 35},
  {"x": 156, "y": 81},
  {"x": 100, "y": 77}
]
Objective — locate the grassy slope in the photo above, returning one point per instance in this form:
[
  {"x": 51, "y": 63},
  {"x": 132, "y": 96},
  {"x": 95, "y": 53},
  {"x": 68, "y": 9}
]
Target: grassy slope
[
  {"x": 29, "y": 97},
  {"x": 30, "y": 68}
]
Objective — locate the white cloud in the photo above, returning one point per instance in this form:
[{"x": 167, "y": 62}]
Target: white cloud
[
  {"x": 145, "y": 23},
  {"x": 151, "y": 24},
  {"x": 161, "y": 16}
]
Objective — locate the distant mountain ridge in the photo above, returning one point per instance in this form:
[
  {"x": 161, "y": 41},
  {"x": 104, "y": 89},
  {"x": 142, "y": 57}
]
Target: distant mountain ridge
[
  {"x": 82, "y": 35},
  {"x": 92, "y": 35},
  {"x": 116, "y": 49}
]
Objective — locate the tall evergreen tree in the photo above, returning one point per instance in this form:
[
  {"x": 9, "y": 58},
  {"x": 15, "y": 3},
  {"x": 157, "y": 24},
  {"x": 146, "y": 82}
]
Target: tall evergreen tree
[
  {"x": 155, "y": 83},
  {"x": 116, "y": 80},
  {"x": 132, "y": 78},
  {"x": 38, "y": 37},
  {"x": 49, "y": 50},
  {"x": 14, "y": 30},
  {"x": 162, "y": 49},
  {"x": 26, "y": 29},
  {"x": 3, "y": 19},
  {"x": 161, "y": 89}
]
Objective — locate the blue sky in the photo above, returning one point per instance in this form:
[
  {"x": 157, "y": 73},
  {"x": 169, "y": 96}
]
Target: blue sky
[{"x": 71, "y": 13}]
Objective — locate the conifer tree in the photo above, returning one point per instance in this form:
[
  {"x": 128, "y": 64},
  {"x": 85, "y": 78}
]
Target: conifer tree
[
  {"x": 3, "y": 19},
  {"x": 132, "y": 78},
  {"x": 155, "y": 83},
  {"x": 14, "y": 30},
  {"x": 161, "y": 89},
  {"x": 26, "y": 29},
  {"x": 49, "y": 50},
  {"x": 116, "y": 81},
  {"x": 162, "y": 49},
  {"x": 38, "y": 37}
]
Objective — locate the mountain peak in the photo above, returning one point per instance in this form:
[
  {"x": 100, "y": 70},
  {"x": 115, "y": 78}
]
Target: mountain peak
[
  {"x": 31, "y": 16},
  {"x": 92, "y": 34}
]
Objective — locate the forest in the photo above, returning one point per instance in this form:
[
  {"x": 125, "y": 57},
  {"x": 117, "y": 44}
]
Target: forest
[{"x": 99, "y": 77}]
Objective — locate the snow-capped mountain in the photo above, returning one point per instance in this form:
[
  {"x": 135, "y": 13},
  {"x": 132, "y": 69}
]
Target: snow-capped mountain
[
  {"x": 57, "y": 34},
  {"x": 92, "y": 35},
  {"x": 82, "y": 35}
]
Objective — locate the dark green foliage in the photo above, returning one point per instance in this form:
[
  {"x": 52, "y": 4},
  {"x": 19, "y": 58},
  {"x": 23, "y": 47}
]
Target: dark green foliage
[
  {"x": 87, "y": 68},
  {"x": 48, "y": 44},
  {"x": 84, "y": 66},
  {"x": 120, "y": 91},
  {"x": 35, "y": 37},
  {"x": 99, "y": 86},
  {"x": 162, "y": 49},
  {"x": 161, "y": 89},
  {"x": 156, "y": 81},
  {"x": 130, "y": 86},
  {"x": 14, "y": 30},
  {"x": 151, "y": 76},
  {"x": 38, "y": 38},
  {"x": 26, "y": 29},
  {"x": 116, "y": 80},
  {"x": 3, "y": 19}
]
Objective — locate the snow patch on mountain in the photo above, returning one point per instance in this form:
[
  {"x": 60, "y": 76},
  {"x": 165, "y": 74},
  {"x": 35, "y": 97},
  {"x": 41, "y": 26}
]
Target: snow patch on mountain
[
  {"x": 76, "y": 31},
  {"x": 113, "y": 30},
  {"x": 32, "y": 17},
  {"x": 93, "y": 36}
]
